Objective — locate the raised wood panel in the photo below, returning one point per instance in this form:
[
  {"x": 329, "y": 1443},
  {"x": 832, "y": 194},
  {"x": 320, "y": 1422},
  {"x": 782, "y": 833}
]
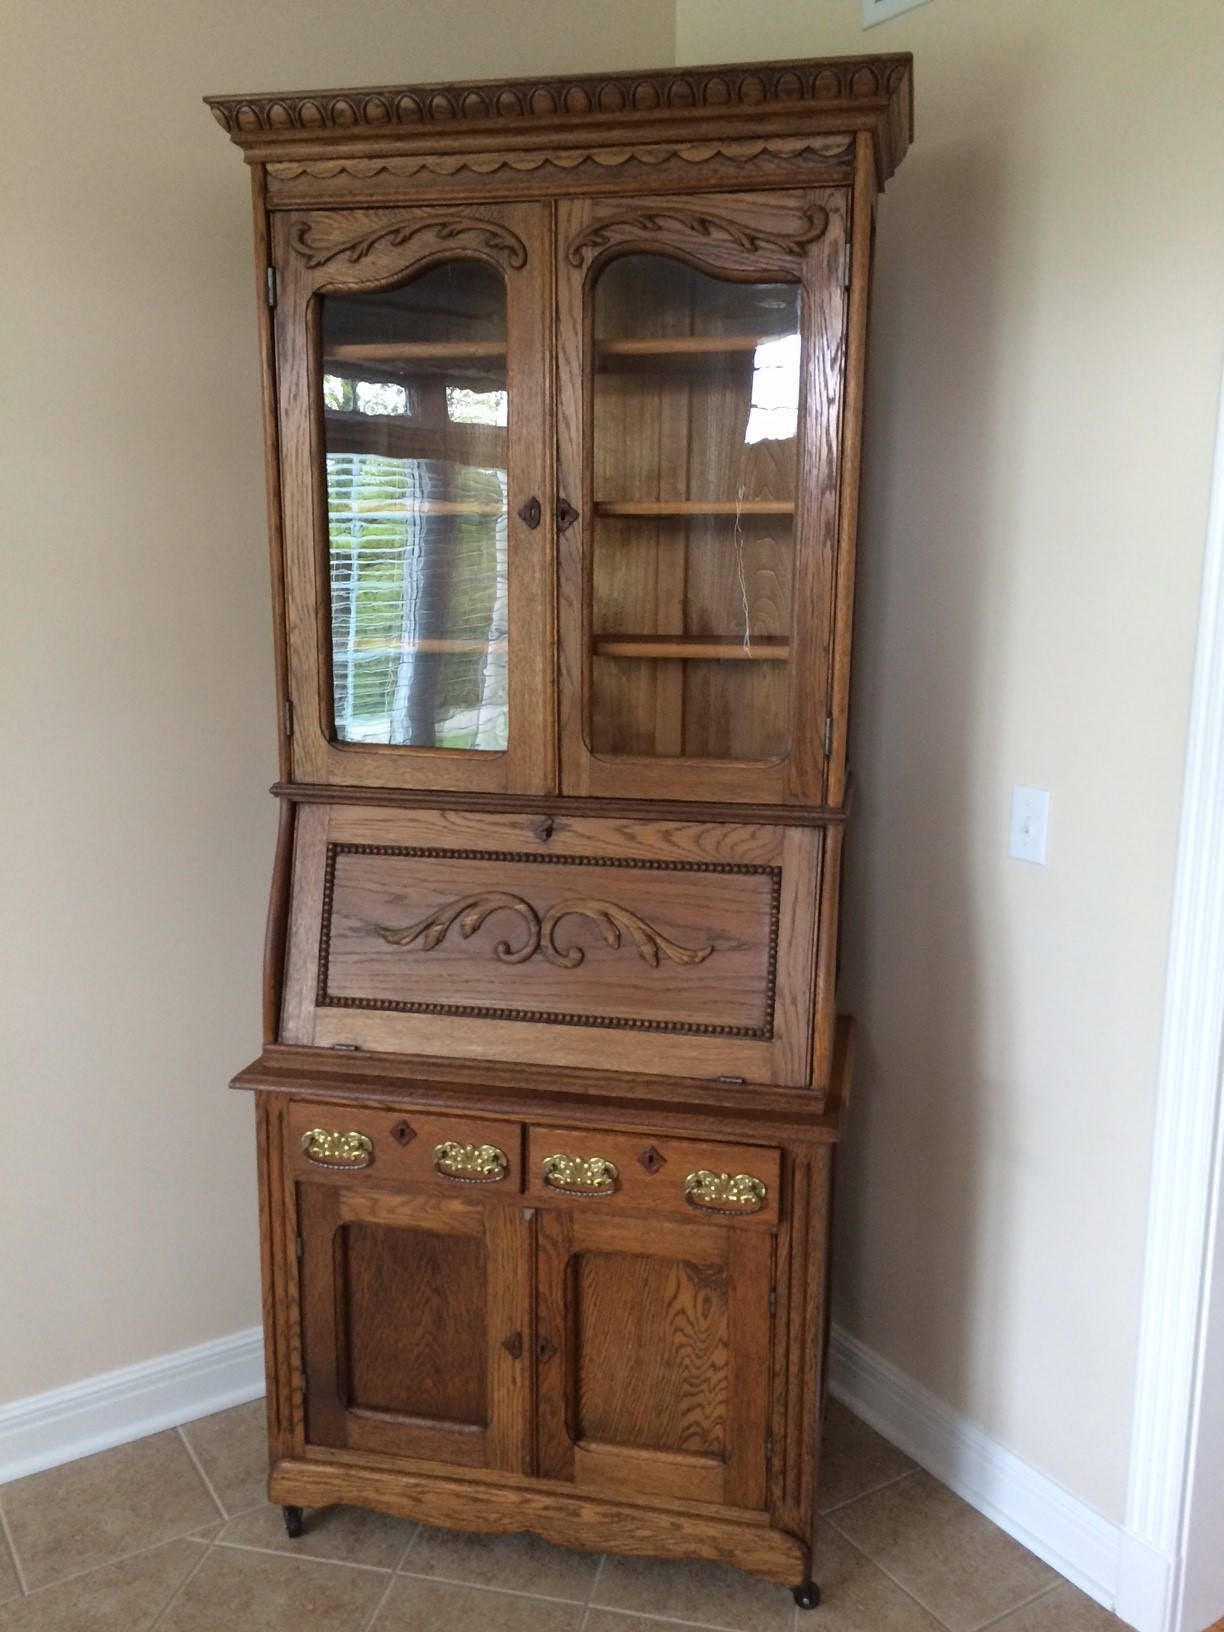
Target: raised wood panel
[
  {"x": 414, "y": 1310},
  {"x": 507, "y": 934},
  {"x": 653, "y": 1340},
  {"x": 650, "y": 946},
  {"x": 415, "y": 1323},
  {"x": 653, "y": 1348}
]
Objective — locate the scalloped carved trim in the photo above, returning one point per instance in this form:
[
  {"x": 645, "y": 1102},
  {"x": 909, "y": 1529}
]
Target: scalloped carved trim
[
  {"x": 309, "y": 239},
  {"x": 608, "y": 158},
  {"x": 711, "y": 228},
  {"x": 472, "y": 910},
  {"x": 752, "y": 86}
]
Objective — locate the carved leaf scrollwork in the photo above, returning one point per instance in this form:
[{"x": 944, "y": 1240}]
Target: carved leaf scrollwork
[
  {"x": 612, "y": 921},
  {"x": 711, "y": 228},
  {"x": 316, "y": 249}
]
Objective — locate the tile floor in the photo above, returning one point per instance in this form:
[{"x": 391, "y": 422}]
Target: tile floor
[{"x": 173, "y": 1533}]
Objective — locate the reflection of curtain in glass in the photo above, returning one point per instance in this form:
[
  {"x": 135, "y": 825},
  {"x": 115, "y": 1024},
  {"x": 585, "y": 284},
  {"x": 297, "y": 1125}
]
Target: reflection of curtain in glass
[
  {"x": 491, "y": 713},
  {"x": 407, "y": 723}
]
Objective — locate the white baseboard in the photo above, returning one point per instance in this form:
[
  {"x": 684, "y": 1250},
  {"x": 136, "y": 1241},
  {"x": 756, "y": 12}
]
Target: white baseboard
[
  {"x": 47, "y": 1429},
  {"x": 1069, "y": 1535}
]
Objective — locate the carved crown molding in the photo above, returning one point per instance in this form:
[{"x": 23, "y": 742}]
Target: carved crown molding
[
  {"x": 859, "y": 92},
  {"x": 739, "y": 150}
]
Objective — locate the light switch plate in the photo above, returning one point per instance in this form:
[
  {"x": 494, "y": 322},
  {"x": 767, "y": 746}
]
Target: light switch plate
[
  {"x": 879, "y": 11},
  {"x": 1029, "y": 831}
]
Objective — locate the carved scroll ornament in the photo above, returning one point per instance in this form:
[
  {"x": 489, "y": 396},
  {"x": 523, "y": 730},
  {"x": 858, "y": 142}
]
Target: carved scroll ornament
[
  {"x": 472, "y": 910},
  {"x": 310, "y": 240},
  {"x": 714, "y": 229}
]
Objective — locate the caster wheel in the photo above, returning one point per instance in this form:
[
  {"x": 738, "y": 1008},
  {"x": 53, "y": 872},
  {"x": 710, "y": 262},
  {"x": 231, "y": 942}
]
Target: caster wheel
[
  {"x": 808, "y": 1595},
  {"x": 293, "y": 1522}
]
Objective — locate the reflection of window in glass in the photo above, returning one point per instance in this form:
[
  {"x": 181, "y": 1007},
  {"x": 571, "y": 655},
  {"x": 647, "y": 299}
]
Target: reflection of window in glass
[
  {"x": 366, "y": 397},
  {"x": 773, "y": 414},
  {"x": 464, "y": 407}
]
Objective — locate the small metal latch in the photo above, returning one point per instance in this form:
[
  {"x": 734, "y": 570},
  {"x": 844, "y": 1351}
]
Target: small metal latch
[
  {"x": 270, "y": 285},
  {"x": 737, "y": 1081},
  {"x": 847, "y": 259},
  {"x": 773, "y": 1300},
  {"x": 297, "y": 1246},
  {"x": 828, "y": 736},
  {"x": 346, "y": 1048},
  {"x": 288, "y": 716}
]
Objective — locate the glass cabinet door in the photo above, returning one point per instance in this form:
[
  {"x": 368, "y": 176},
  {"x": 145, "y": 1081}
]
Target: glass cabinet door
[
  {"x": 409, "y": 522},
  {"x": 697, "y": 574}
]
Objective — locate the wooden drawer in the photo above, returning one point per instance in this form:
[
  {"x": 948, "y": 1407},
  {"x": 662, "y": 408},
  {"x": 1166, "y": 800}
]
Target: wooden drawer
[
  {"x": 682, "y": 948},
  {"x": 461, "y": 1154},
  {"x": 700, "y": 1179}
]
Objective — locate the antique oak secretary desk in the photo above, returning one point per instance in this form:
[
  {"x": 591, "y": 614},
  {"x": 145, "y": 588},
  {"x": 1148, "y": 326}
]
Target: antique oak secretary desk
[{"x": 563, "y": 385}]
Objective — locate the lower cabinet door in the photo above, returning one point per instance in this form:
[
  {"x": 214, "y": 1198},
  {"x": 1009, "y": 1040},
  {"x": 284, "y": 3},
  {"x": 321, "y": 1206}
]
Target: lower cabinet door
[
  {"x": 415, "y": 1325},
  {"x": 653, "y": 1346}
]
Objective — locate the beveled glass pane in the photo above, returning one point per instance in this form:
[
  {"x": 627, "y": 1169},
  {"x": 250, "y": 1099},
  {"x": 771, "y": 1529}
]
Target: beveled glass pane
[
  {"x": 415, "y": 413},
  {"x": 696, "y": 405}
]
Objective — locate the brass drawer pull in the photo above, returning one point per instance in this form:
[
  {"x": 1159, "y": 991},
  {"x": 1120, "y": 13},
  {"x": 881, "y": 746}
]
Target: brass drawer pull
[
  {"x": 581, "y": 1175},
  {"x": 327, "y": 1147},
  {"x": 470, "y": 1164},
  {"x": 723, "y": 1193}
]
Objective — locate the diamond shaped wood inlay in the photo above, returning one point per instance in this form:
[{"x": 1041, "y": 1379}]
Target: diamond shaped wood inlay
[{"x": 652, "y": 1160}]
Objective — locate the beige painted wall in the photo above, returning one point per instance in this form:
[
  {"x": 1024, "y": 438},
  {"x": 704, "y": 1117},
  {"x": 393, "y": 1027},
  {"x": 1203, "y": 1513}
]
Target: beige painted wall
[
  {"x": 138, "y": 733},
  {"x": 1047, "y": 348}
]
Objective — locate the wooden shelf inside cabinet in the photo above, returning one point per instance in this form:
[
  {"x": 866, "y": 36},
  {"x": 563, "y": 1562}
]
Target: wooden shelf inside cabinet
[
  {"x": 680, "y": 350},
  {"x": 694, "y": 507},
  {"x": 765, "y": 649},
  {"x": 415, "y": 351}
]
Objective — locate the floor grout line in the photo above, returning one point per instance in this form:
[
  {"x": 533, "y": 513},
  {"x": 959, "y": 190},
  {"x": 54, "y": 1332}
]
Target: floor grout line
[
  {"x": 302, "y": 1558},
  {"x": 123, "y": 1558},
  {"x": 199, "y": 1467},
  {"x": 1024, "y": 1604},
  {"x": 485, "y": 1586},
  {"x": 369, "y": 1624},
  {"x": 12, "y": 1550},
  {"x": 889, "y": 1576},
  {"x": 185, "y": 1582},
  {"x": 666, "y": 1620},
  {"x": 586, "y": 1608},
  {"x": 875, "y": 1490}
]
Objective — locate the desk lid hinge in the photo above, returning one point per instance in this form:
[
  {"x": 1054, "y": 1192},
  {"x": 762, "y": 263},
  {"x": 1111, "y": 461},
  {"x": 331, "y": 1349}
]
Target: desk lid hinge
[{"x": 270, "y": 286}]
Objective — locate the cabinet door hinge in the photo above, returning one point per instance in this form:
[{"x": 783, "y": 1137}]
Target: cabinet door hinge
[
  {"x": 768, "y": 1447},
  {"x": 297, "y": 1246},
  {"x": 289, "y": 717},
  {"x": 847, "y": 261},
  {"x": 828, "y": 735},
  {"x": 270, "y": 286},
  {"x": 773, "y": 1300}
]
